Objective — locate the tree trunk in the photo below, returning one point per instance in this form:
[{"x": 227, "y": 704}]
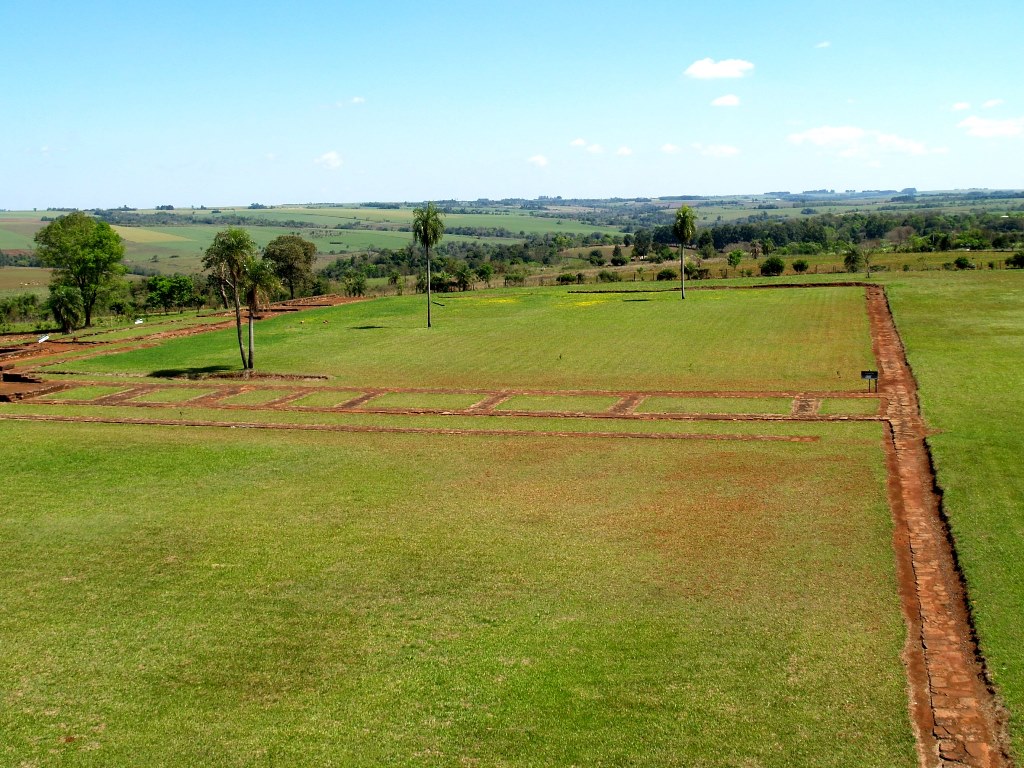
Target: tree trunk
[
  {"x": 682, "y": 272},
  {"x": 238, "y": 327},
  {"x": 250, "y": 366},
  {"x": 428, "y": 287}
]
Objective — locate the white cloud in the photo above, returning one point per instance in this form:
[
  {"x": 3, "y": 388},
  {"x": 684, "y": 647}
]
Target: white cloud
[
  {"x": 893, "y": 143},
  {"x": 539, "y": 160},
  {"x": 717, "y": 150},
  {"x": 851, "y": 141},
  {"x": 823, "y": 44},
  {"x": 670, "y": 149},
  {"x": 729, "y": 100},
  {"x": 993, "y": 103},
  {"x": 329, "y": 160},
  {"x": 578, "y": 143},
  {"x": 960, "y": 106},
  {"x": 990, "y": 129},
  {"x": 709, "y": 69},
  {"x": 358, "y": 100},
  {"x": 623, "y": 151},
  {"x": 271, "y": 156},
  {"x": 595, "y": 149}
]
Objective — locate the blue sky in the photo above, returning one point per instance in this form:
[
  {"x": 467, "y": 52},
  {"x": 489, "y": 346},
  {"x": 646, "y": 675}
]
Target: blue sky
[{"x": 217, "y": 103}]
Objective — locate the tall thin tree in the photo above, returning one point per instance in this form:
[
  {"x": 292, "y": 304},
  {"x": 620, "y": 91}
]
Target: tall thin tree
[
  {"x": 260, "y": 284},
  {"x": 427, "y": 230},
  {"x": 225, "y": 261},
  {"x": 684, "y": 228}
]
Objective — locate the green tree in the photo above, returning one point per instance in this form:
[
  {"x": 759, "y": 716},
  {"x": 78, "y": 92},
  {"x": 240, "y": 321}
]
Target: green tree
[
  {"x": 354, "y": 283},
  {"x": 485, "y": 272},
  {"x": 66, "y": 306},
  {"x": 427, "y": 230},
  {"x": 292, "y": 257},
  {"x": 225, "y": 261},
  {"x": 171, "y": 291},
  {"x": 84, "y": 253},
  {"x": 395, "y": 281},
  {"x": 800, "y": 266},
  {"x": 463, "y": 276},
  {"x": 259, "y": 285},
  {"x": 773, "y": 266},
  {"x": 735, "y": 258},
  {"x": 618, "y": 258},
  {"x": 853, "y": 260},
  {"x": 684, "y": 227},
  {"x": 642, "y": 241}
]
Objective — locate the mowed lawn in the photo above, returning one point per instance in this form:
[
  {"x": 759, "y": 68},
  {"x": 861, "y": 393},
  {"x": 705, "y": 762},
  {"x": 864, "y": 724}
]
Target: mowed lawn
[
  {"x": 181, "y": 597},
  {"x": 549, "y": 338},
  {"x": 965, "y": 340}
]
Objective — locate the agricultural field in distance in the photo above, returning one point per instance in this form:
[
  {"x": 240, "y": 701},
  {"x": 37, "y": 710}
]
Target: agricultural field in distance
[
  {"x": 460, "y": 545},
  {"x": 24, "y": 280}
]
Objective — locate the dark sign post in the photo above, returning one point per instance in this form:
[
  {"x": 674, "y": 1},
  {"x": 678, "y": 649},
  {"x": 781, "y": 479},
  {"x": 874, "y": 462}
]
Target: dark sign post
[{"x": 870, "y": 376}]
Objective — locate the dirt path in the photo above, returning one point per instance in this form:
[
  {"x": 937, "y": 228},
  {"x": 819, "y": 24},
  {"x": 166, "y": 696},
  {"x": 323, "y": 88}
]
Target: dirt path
[
  {"x": 367, "y": 428},
  {"x": 955, "y": 713}
]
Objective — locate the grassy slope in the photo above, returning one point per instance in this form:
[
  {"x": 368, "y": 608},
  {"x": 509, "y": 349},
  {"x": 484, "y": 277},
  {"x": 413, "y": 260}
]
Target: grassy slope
[
  {"x": 372, "y": 599},
  {"x": 965, "y": 341},
  {"x": 549, "y": 338}
]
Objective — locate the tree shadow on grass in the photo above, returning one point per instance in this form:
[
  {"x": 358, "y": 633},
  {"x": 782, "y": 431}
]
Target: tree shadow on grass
[
  {"x": 189, "y": 373},
  {"x": 366, "y": 327}
]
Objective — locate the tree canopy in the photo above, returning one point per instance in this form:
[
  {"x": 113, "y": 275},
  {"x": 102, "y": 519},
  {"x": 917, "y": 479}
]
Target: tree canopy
[
  {"x": 84, "y": 253},
  {"x": 292, "y": 257}
]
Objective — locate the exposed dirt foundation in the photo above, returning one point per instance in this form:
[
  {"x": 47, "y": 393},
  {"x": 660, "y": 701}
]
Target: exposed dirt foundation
[{"x": 957, "y": 717}]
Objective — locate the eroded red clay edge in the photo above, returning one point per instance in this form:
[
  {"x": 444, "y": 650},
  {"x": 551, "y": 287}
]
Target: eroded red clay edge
[
  {"x": 367, "y": 428},
  {"x": 958, "y": 719}
]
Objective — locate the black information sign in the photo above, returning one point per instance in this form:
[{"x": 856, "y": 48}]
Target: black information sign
[{"x": 870, "y": 376}]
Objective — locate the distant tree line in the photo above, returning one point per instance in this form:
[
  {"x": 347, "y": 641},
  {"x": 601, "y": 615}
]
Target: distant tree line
[
  {"x": 915, "y": 231},
  {"x": 20, "y": 260}
]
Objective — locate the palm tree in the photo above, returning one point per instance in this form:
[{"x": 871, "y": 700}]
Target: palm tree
[
  {"x": 260, "y": 284},
  {"x": 684, "y": 228},
  {"x": 427, "y": 230},
  {"x": 225, "y": 261}
]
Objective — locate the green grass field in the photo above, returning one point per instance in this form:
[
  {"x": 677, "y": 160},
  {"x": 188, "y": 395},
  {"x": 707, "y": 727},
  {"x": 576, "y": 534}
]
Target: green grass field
[
  {"x": 550, "y": 338},
  {"x": 180, "y": 596},
  {"x": 965, "y": 342},
  {"x": 287, "y": 601}
]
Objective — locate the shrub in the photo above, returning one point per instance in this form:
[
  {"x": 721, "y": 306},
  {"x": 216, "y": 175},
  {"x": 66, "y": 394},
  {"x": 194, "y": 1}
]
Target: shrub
[
  {"x": 66, "y": 306},
  {"x": 853, "y": 261},
  {"x": 606, "y": 276},
  {"x": 1016, "y": 261},
  {"x": 567, "y": 278},
  {"x": 773, "y": 266},
  {"x": 596, "y": 258},
  {"x": 800, "y": 266},
  {"x": 667, "y": 274},
  {"x": 618, "y": 258},
  {"x": 694, "y": 272},
  {"x": 962, "y": 262}
]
